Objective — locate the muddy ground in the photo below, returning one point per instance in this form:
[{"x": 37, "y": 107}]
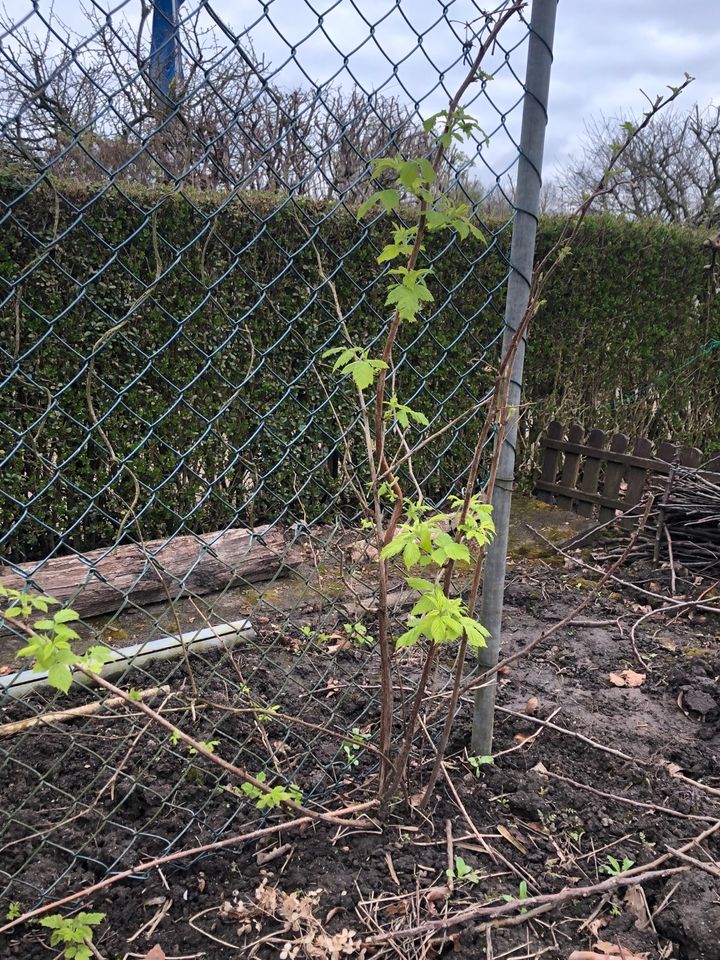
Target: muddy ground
[{"x": 103, "y": 793}]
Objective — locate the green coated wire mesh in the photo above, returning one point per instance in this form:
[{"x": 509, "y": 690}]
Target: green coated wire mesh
[{"x": 176, "y": 456}]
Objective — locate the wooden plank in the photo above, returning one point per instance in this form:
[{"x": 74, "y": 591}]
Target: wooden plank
[
  {"x": 659, "y": 466},
  {"x": 638, "y": 466},
  {"x": 613, "y": 475},
  {"x": 667, "y": 451},
  {"x": 100, "y": 581},
  {"x": 691, "y": 457},
  {"x": 551, "y": 455},
  {"x": 591, "y": 470},
  {"x": 636, "y": 478},
  {"x": 571, "y": 466},
  {"x": 580, "y": 494}
]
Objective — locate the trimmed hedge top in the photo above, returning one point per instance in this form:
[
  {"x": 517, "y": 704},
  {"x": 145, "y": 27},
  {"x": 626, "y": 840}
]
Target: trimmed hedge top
[{"x": 164, "y": 354}]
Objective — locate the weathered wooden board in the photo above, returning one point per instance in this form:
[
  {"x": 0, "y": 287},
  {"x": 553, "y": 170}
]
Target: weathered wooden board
[
  {"x": 587, "y": 477},
  {"x": 101, "y": 580}
]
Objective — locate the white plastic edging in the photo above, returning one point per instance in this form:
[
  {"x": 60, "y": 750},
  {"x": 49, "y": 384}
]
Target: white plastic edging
[{"x": 20, "y": 684}]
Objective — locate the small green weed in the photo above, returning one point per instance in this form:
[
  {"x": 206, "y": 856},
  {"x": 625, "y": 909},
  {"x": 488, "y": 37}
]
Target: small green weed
[
  {"x": 73, "y": 934},
  {"x": 13, "y": 911},
  {"x": 478, "y": 762},
  {"x": 311, "y": 634},
  {"x": 614, "y": 867},
  {"x": 522, "y": 894},
  {"x": 208, "y": 744},
  {"x": 351, "y": 749},
  {"x": 463, "y": 872},
  {"x": 358, "y": 634},
  {"x": 49, "y": 646},
  {"x": 278, "y": 794}
]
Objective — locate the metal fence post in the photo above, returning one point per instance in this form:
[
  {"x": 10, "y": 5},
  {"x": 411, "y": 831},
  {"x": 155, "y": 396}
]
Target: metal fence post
[{"x": 527, "y": 199}]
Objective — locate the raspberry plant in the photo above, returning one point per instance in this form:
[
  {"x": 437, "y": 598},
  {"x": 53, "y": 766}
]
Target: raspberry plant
[{"x": 73, "y": 934}]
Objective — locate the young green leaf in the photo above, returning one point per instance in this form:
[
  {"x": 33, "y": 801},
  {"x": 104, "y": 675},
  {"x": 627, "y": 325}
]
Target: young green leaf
[
  {"x": 389, "y": 199},
  {"x": 409, "y": 293}
]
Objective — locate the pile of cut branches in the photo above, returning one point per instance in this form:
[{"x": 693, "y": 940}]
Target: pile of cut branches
[{"x": 682, "y": 530}]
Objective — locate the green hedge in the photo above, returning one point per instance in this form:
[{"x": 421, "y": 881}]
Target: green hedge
[{"x": 162, "y": 353}]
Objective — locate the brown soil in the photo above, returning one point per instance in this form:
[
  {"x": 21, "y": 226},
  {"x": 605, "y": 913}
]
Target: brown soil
[{"x": 561, "y": 834}]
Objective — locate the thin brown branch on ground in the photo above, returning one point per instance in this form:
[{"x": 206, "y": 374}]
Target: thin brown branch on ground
[
  {"x": 650, "y": 871},
  {"x": 72, "y": 713},
  {"x": 238, "y": 839},
  {"x": 654, "y": 807}
]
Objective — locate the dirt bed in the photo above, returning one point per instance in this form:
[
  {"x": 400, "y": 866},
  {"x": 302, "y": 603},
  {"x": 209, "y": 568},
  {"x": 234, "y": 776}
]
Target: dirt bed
[{"x": 553, "y": 811}]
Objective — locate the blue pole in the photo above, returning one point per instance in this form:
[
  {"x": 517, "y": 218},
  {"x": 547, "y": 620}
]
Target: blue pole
[{"x": 165, "y": 65}]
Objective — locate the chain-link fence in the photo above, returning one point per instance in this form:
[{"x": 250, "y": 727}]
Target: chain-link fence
[{"x": 179, "y": 247}]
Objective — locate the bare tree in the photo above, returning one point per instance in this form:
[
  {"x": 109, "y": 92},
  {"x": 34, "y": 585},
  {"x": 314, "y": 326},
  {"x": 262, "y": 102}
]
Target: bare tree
[
  {"x": 86, "y": 108},
  {"x": 671, "y": 170}
]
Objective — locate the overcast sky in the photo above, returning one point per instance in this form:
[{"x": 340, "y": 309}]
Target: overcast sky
[{"x": 605, "y": 52}]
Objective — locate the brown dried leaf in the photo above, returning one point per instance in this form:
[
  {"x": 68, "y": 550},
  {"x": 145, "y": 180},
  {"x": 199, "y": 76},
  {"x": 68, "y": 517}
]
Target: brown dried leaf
[
  {"x": 155, "y": 953},
  {"x": 613, "y": 952},
  {"x": 635, "y": 900},
  {"x": 618, "y": 950},
  {"x": 437, "y": 893},
  {"x": 397, "y": 909},
  {"x": 627, "y": 678},
  {"x": 505, "y": 833},
  {"x": 532, "y": 706},
  {"x": 633, "y": 678},
  {"x": 333, "y": 686},
  {"x": 596, "y": 925},
  {"x": 343, "y": 643}
]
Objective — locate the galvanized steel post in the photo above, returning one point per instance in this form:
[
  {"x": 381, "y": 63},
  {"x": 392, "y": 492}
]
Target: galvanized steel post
[{"x": 527, "y": 200}]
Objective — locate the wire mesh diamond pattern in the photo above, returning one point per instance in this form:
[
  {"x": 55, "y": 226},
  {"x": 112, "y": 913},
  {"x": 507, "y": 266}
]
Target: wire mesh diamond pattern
[{"x": 179, "y": 247}]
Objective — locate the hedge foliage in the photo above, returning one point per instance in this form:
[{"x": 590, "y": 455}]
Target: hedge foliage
[{"x": 163, "y": 353}]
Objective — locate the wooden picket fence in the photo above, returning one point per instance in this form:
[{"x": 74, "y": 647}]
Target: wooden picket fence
[{"x": 599, "y": 476}]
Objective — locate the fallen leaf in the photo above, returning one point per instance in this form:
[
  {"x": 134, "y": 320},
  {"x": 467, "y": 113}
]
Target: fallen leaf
[
  {"x": 589, "y": 955},
  {"x": 627, "y": 678},
  {"x": 635, "y": 900},
  {"x": 521, "y": 737},
  {"x": 155, "y": 953},
  {"x": 596, "y": 925},
  {"x": 344, "y": 643},
  {"x": 332, "y": 687},
  {"x": 618, "y": 950},
  {"x": 531, "y": 707},
  {"x": 267, "y": 856},
  {"x": 505, "y": 833},
  {"x": 612, "y": 952},
  {"x": 437, "y": 893},
  {"x": 634, "y": 679},
  {"x": 396, "y": 909}
]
